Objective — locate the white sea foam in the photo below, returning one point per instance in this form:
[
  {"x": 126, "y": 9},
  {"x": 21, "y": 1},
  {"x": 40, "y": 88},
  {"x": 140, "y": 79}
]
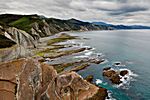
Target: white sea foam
[
  {"x": 104, "y": 62},
  {"x": 71, "y": 41},
  {"x": 126, "y": 79},
  {"x": 81, "y": 56},
  {"x": 81, "y": 45},
  {"x": 110, "y": 96},
  {"x": 98, "y": 81},
  {"x": 130, "y": 73},
  {"x": 93, "y": 49},
  {"x": 88, "y": 53}
]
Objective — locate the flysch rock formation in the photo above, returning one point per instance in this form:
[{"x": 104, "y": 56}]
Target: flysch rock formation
[
  {"x": 27, "y": 79},
  {"x": 14, "y": 43},
  {"x": 19, "y": 36}
]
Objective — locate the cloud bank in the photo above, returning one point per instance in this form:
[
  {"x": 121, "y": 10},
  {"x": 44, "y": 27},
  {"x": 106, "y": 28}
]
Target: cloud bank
[{"x": 112, "y": 11}]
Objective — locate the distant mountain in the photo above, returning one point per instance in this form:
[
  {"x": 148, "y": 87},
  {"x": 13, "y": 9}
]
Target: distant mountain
[
  {"x": 101, "y": 23},
  {"x": 122, "y": 26}
]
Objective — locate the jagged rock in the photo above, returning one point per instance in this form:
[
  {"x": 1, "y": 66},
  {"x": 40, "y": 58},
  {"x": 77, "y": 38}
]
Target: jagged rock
[
  {"x": 115, "y": 79},
  {"x": 27, "y": 79},
  {"x": 123, "y": 72},
  {"x": 112, "y": 75},
  {"x": 109, "y": 73}
]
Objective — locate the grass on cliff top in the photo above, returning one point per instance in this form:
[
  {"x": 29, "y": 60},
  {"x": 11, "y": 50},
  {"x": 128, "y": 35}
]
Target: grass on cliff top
[
  {"x": 61, "y": 38},
  {"x": 24, "y": 23}
]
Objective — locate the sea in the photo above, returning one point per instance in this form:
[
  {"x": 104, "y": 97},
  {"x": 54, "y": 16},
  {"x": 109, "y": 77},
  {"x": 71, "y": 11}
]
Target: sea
[{"x": 131, "y": 48}]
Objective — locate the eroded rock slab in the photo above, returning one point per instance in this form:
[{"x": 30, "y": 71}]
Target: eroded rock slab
[{"x": 27, "y": 79}]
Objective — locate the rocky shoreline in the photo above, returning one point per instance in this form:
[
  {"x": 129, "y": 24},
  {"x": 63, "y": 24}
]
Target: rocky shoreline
[{"x": 31, "y": 78}]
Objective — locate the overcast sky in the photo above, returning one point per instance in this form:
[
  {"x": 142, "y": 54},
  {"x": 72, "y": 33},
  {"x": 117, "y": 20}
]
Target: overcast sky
[{"x": 112, "y": 11}]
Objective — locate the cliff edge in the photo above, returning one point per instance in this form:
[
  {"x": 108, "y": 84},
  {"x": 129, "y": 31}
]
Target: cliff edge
[{"x": 27, "y": 79}]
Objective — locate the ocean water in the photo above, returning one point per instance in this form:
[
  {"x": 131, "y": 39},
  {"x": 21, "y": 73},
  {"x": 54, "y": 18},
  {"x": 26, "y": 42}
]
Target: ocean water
[{"x": 132, "y": 49}]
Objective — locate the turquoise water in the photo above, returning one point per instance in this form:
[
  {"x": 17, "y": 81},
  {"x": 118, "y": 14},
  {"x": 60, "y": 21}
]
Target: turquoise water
[{"x": 132, "y": 47}]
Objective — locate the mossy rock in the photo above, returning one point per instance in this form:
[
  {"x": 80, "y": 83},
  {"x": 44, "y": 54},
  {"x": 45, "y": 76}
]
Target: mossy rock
[{"x": 61, "y": 38}]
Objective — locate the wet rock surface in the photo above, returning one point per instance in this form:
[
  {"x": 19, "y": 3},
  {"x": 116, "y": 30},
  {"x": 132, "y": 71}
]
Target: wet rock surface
[
  {"x": 27, "y": 79},
  {"x": 124, "y": 72},
  {"x": 113, "y": 75}
]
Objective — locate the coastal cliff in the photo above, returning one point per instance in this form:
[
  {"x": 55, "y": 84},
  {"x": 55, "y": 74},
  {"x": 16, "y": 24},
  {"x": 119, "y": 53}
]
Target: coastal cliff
[{"x": 29, "y": 28}]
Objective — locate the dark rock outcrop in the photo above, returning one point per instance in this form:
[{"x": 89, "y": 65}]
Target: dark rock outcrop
[
  {"x": 124, "y": 72},
  {"x": 115, "y": 79},
  {"x": 109, "y": 73},
  {"x": 27, "y": 79},
  {"x": 113, "y": 75}
]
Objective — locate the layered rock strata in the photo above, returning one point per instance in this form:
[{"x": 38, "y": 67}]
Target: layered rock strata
[{"x": 27, "y": 79}]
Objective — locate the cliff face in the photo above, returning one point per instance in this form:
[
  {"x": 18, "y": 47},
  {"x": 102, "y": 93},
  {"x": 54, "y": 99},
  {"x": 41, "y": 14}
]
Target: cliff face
[
  {"x": 12, "y": 35},
  {"x": 14, "y": 43},
  {"x": 25, "y": 29},
  {"x": 27, "y": 79},
  {"x": 19, "y": 36},
  {"x": 4, "y": 41}
]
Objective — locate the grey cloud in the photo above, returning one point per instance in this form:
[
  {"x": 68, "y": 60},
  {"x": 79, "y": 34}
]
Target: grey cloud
[
  {"x": 128, "y": 9},
  {"x": 113, "y": 11}
]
